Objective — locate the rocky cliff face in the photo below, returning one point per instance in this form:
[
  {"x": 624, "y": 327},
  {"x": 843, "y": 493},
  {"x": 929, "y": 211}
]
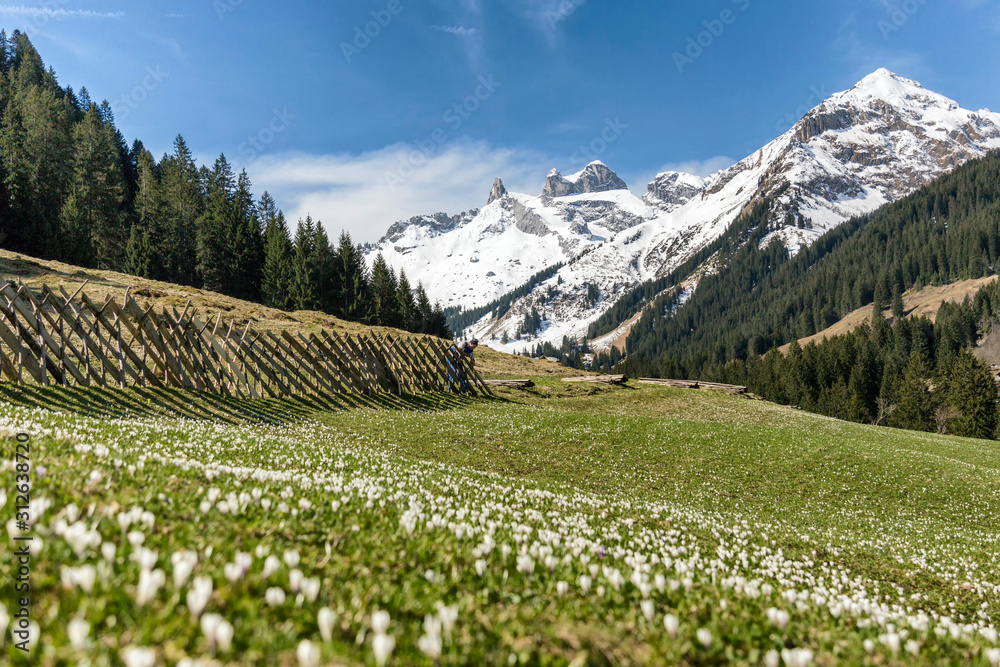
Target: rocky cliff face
[
  {"x": 595, "y": 177},
  {"x": 498, "y": 191},
  {"x": 672, "y": 189}
]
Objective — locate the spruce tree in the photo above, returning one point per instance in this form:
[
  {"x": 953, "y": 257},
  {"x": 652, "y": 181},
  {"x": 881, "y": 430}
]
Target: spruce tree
[
  {"x": 184, "y": 203},
  {"x": 352, "y": 275},
  {"x": 93, "y": 215},
  {"x": 277, "y": 274},
  {"x": 146, "y": 237},
  {"x": 384, "y": 288},
  {"x": 304, "y": 291},
  {"x": 246, "y": 243},
  {"x": 424, "y": 311},
  {"x": 973, "y": 392},
  {"x": 913, "y": 400},
  {"x": 408, "y": 315},
  {"x": 216, "y": 259}
]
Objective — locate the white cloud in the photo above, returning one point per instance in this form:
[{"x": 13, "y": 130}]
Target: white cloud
[
  {"x": 58, "y": 13},
  {"x": 366, "y": 193},
  {"x": 457, "y": 30}
]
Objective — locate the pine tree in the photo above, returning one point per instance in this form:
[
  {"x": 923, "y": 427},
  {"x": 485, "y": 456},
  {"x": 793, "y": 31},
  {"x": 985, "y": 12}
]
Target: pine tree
[
  {"x": 36, "y": 152},
  {"x": 277, "y": 274},
  {"x": 973, "y": 392},
  {"x": 246, "y": 243},
  {"x": 304, "y": 291},
  {"x": 384, "y": 288},
  {"x": 424, "y": 311},
  {"x": 408, "y": 314},
  {"x": 897, "y": 302},
  {"x": 354, "y": 301},
  {"x": 146, "y": 237},
  {"x": 914, "y": 403},
  {"x": 327, "y": 277},
  {"x": 216, "y": 260},
  {"x": 93, "y": 215},
  {"x": 183, "y": 203}
]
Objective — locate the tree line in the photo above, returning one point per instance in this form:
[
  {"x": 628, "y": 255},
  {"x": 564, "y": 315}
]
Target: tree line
[
  {"x": 913, "y": 374},
  {"x": 72, "y": 189}
]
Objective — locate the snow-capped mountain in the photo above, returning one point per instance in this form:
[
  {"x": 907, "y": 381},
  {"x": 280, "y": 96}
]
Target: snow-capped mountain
[
  {"x": 471, "y": 259},
  {"x": 858, "y": 150}
]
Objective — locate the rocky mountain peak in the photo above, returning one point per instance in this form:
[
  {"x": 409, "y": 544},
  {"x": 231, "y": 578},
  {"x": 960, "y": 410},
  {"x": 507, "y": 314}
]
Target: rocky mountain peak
[
  {"x": 498, "y": 192},
  {"x": 595, "y": 177},
  {"x": 672, "y": 189}
]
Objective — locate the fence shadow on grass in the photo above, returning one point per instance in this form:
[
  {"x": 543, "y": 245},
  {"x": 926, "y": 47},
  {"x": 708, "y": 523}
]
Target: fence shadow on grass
[{"x": 137, "y": 402}]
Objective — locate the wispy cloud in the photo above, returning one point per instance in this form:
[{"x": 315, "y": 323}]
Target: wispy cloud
[
  {"x": 351, "y": 191},
  {"x": 457, "y": 30},
  {"x": 57, "y": 13}
]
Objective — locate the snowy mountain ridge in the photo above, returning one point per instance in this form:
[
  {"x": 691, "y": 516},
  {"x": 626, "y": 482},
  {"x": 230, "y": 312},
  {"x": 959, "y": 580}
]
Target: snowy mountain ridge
[{"x": 856, "y": 151}]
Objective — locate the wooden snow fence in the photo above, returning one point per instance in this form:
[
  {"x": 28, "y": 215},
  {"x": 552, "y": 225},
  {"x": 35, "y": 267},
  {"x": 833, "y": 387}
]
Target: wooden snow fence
[{"x": 71, "y": 340}]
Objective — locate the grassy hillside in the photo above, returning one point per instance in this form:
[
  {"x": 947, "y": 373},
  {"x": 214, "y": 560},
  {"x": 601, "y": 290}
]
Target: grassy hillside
[
  {"x": 924, "y": 302},
  {"x": 563, "y": 525}
]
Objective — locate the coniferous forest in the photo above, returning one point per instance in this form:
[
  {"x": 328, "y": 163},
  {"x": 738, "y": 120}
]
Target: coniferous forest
[{"x": 72, "y": 189}]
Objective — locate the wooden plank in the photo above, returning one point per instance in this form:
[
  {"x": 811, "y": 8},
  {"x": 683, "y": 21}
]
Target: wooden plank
[
  {"x": 26, "y": 359},
  {"x": 599, "y": 379},
  {"x": 279, "y": 351},
  {"x": 387, "y": 378},
  {"x": 435, "y": 362},
  {"x": 515, "y": 384},
  {"x": 312, "y": 365},
  {"x": 331, "y": 363},
  {"x": 274, "y": 366},
  {"x": 422, "y": 371},
  {"x": 99, "y": 317},
  {"x": 335, "y": 352},
  {"x": 680, "y": 384},
  {"x": 147, "y": 322},
  {"x": 22, "y": 301},
  {"x": 137, "y": 335}
]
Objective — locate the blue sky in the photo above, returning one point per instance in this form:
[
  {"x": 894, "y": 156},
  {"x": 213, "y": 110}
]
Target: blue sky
[{"x": 363, "y": 129}]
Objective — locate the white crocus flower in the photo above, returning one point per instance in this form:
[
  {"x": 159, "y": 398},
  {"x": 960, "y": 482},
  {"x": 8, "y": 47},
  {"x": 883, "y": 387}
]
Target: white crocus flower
[
  {"x": 78, "y": 632},
  {"x": 325, "y": 620},
  {"x": 704, "y": 636},
  {"x": 198, "y": 595},
  {"x": 382, "y": 647},
  {"x": 274, "y": 596},
  {"x": 308, "y": 654},
  {"x": 271, "y": 565},
  {"x": 380, "y": 622},
  {"x": 138, "y": 656}
]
